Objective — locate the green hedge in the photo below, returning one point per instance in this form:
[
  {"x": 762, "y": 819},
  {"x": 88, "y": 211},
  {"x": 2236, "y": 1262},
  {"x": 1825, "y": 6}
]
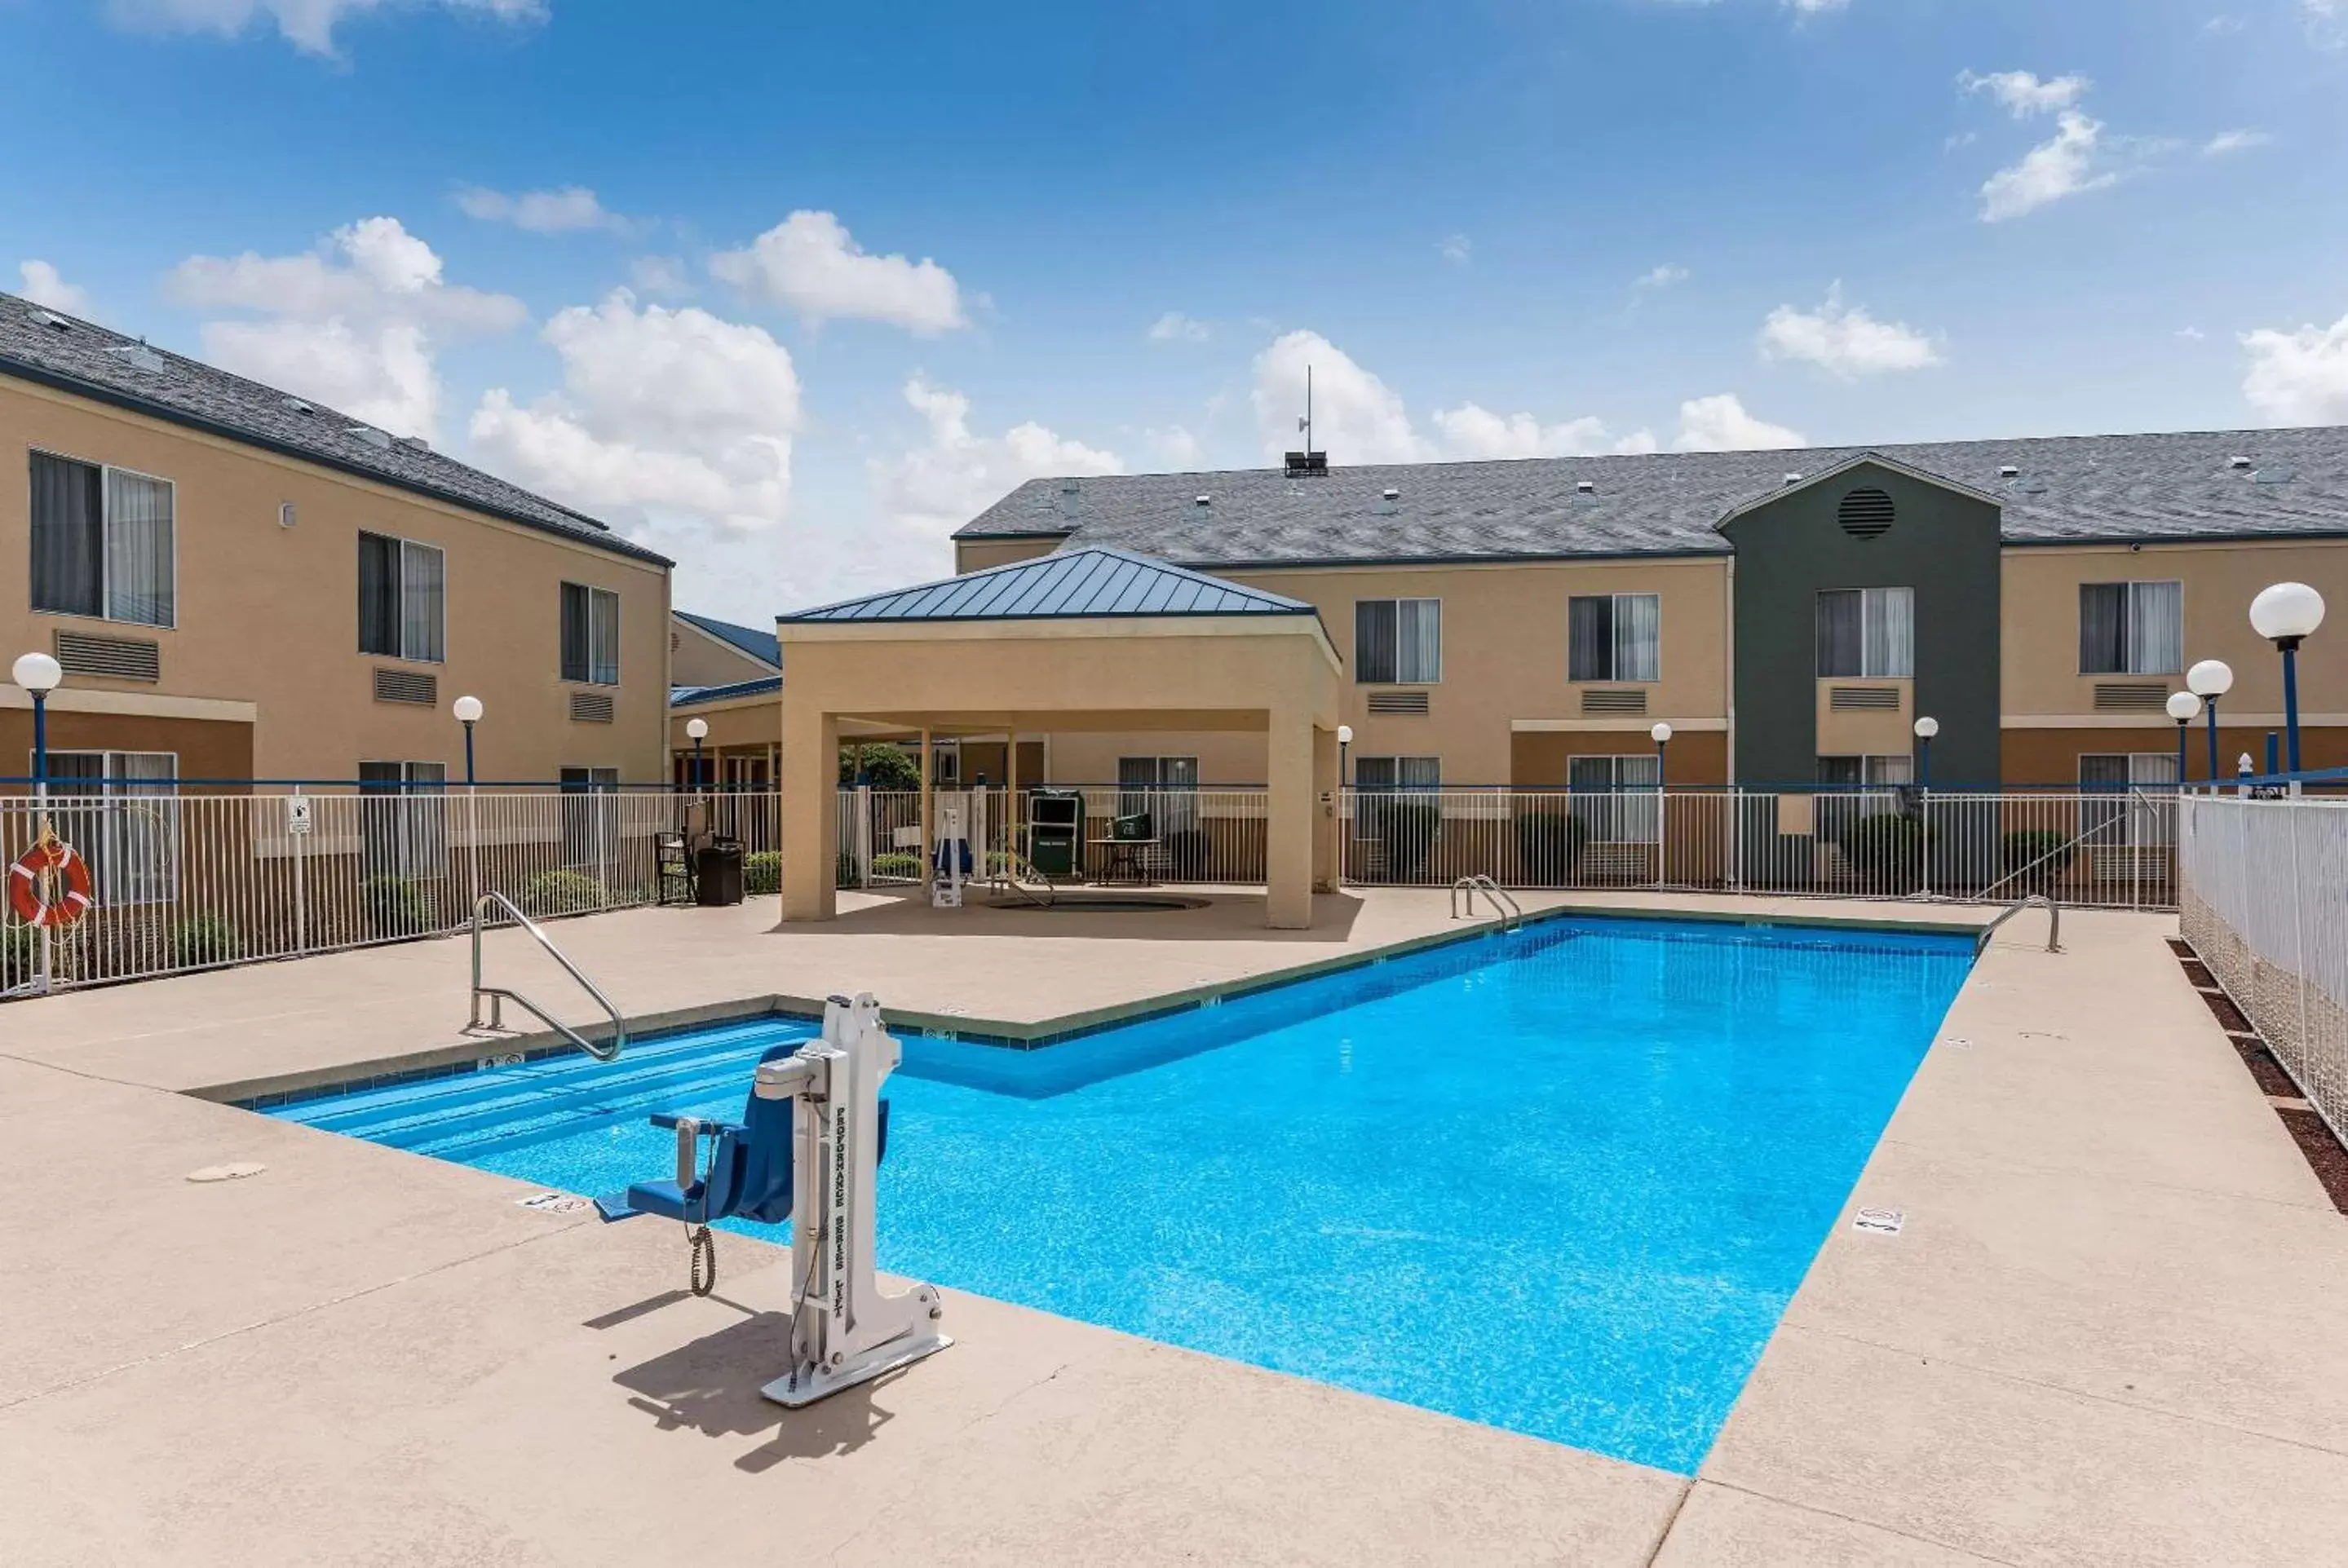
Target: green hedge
[
  {"x": 562, "y": 893},
  {"x": 1406, "y": 827},
  {"x": 762, "y": 872},
  {"x": 396, "y": 906},
  {"x": 1549, "y": 846},
  {"x": 201, "y": 939},
  {"x": 2028, "y": 855},
  {"x": 1887, "y": 846}
]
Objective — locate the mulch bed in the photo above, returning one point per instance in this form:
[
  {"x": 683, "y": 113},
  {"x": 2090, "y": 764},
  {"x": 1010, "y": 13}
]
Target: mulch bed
[{"x": 2322, "y": 1152}]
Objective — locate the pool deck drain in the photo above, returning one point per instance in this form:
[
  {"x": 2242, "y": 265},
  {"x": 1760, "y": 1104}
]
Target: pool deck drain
[{"x": 2107, "y": 1333}]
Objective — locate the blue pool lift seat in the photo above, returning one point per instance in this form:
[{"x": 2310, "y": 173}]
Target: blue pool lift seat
[{"x": 747, "y": 1175}]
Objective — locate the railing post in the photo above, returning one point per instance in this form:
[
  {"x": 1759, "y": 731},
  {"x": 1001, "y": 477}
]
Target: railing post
[
  {"x": 301, "y": 894},
  {"x": 1924, "y": 806},
  {"x": 2299, "y": 937}
]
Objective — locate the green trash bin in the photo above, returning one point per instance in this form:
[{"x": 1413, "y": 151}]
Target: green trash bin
[{"x": 1055, "y": 832}]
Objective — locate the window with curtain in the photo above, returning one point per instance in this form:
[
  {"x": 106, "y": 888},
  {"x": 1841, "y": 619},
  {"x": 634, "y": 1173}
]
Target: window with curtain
[
  {"x": 1397, "y": 641},
  {"x": 1614, "y": 637},
  {"x": 2134, "y": 809},
  {"x": 403, "y": 819},
  {"x": 1867, "y": 634},
  {"x": 1398, "y": 772},
  {"x": 591, "y": 635},
  {"x": 403, "y": 599},
  {"x": 102, "y": 542},
  {"x": 1886, "y": 772},
  {"x": 121, "y": 810},
  {"x": 2131, "y": 628},
  {"x": 1617, "y": 797},
  {"x": 1166, "y": 787}
]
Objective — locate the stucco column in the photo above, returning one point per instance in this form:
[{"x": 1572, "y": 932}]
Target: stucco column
[
  {"x": 1324, "y": 817},
  {"x": 810, "y": 785},
  {"x": 1292, "y": 822}
]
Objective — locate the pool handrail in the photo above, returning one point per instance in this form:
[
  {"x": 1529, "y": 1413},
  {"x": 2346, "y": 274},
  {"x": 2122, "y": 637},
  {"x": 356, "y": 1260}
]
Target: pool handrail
[
  {"x": 500, "y": 995},
  {"x": 1504, "y": 904},
  {"x": 2053, "y": 922}
]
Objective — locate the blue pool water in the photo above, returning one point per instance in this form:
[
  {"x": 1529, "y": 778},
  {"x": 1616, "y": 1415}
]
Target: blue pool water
[{"x": 1562, "y": 1182}]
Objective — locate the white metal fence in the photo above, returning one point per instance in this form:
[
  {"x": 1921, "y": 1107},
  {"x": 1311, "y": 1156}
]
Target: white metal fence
[
  {"x": 187, "y": 881},
  {"x": 2264, "y": 902}
]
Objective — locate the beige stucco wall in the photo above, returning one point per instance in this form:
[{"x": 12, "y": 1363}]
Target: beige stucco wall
[
  {"x": 977, "y": 555},
  {"x": 697, "y": 659},
  {"x": 269, "y": 615},
  {"x": 2041, "y": 596}
]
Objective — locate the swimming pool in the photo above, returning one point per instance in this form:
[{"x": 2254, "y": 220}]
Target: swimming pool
[{"x": 1562, "y": 1182}]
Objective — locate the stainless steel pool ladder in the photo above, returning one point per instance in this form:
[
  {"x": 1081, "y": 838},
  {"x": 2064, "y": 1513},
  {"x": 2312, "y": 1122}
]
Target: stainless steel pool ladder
[
  {"x": 2054, "y": 923},
  {"x": 1511, "y": 913},
  {"x": 500, "y": 995}
]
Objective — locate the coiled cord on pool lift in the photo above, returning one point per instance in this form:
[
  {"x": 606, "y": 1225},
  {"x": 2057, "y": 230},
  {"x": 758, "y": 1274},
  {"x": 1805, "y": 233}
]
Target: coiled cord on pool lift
[{"x": 701, "y": 1268}]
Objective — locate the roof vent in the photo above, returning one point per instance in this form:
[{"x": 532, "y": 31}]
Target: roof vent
[
  {"x": 2273, "y": 476},
  {"x": 1204, "y": 501},
  {"x": 2009, "y": 471},
  {"x": 370, "y": 435},
  {"x": 416, "y": 441},
  {"x": 1793, "y": 479},
  {"x": 2243, "y": 464},
  {"x": 297, "y": 405},
  {"x": 138, "y": 356},
  {"x": 1071, "y": 497},
  {"x": 1586, "y": 486},
  {"x": 41, "y": 318},
  {"x": 1865, "y": 513}
]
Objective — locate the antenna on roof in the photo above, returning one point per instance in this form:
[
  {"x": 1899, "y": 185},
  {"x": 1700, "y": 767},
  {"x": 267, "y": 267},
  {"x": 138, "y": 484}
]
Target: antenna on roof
[
  {"x": 1306, "y": 423},
  {"x": 1307, "y": 461}
]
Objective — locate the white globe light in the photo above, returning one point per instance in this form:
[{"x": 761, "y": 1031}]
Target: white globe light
[
  {"x": 2287, "y": 609},
  {"x": 468, "y": 710},
  {"x": 37, "y": 672},
  {"x": 2210, "y": 677},
  {"x": 1344, "y": 734},
  {"x": 1661, "y": 734},
  {"x": 697, "y": 728},
  {"x": 1927, "y": 727},
  {"x": 2184, "y": 707}
]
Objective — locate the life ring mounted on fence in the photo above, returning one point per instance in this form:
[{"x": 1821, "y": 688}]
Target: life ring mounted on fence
[{"x": 49, "y": 883}]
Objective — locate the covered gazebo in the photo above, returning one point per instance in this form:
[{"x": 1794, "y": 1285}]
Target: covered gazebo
[{"x": 1087, "y": 640}]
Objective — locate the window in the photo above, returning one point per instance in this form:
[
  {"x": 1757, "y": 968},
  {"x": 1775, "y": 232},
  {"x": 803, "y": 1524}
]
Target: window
[
  {"x": 590, "y": 634},
  {"x": 1389, "y": 776},
  {"x": 1397, "y": 641},
  {"x": 1166, "y": 787},
  {"x": 101, "y": 542},
  {"x": 401, "y": 599},
  {"x": 1867, "y": 634},
  {"x": 1614, "y": 637},
  {"x": 2131, "y": 628},
  {"x": 403, "y": 820},
  {"x": 591, "y": 820},
  {"x": 121, "y": 810},
  {"x": 1888, "y": 772},
  {"x": 1619, "y": 799},
  {"x": 2136, "y": 811}
]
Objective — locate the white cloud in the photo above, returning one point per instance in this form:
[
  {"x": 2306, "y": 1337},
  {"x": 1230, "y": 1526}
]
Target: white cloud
[
  {"x": 2227, "y": 141},
  {"x": 662, "y": 275},
  {"x": 44, "y": 285},
  {"x": 563, "y": 211},
  {"x": 934, "y": 488},
  {"x": 1665, "y": 276},
  {"x": 1457, "y": 249},
  {"x": 307, "y": 24},
  {"x": 353, "y": 324},
  {"x": 2066, "y": 166},
  {"x": 1720, "y": 424},
  {"x": 2327, "y": 21},
  {"x": 2298, "y": 377},
  {"x": 2024, "y": 94},
  {"x": 1471, "y": 430},
  {"x": 1176, "y": 327},
  {"x": 1175, "y": 449},
  {"x": 1814, "y": 7},
  {"x": 2191, "y": 334},
  {"x": 1845, "y": 340},
  {"x": 810, "y": 263}
]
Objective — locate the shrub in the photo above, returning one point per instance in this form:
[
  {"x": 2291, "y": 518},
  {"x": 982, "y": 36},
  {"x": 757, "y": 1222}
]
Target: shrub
[
  {"x": 2028, "y": 855},
  {"x": 898, "y": 863},
  {"x": 1407, "y": 827},
  {"x": 20, "y": 953},
  {"x": 395, "y": 905},
  {"x": 1549, "y": 846},
  {"x": 201, "y": 939},
  {"x": 762, "y": 872},
  {"x": 562, "y": 893},
  {"x": 1886, "y": 847},
  {"x": 883, "y": 767}
]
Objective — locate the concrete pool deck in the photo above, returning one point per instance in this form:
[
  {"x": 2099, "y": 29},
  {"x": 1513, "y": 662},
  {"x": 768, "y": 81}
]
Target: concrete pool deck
[{"x": 2107, "y": 1331}]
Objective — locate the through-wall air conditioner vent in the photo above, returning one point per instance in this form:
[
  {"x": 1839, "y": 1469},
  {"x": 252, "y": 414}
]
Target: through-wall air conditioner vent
[
  {"x": 406, "y": 686},
  {"x": 115, "y": 658},
  {"x": 590, "y": 707},
  {"x": 1865, "y": 513},
  {"x": 2131, "y": 696},
  {"x": 1863, "y": 699},
  {"x": 1398, "y": 702},
  {"x": 1614, "y": 700}
]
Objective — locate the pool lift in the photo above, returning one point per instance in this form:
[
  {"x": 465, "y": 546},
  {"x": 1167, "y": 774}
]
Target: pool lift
[{"x": 810, "y": 1143}]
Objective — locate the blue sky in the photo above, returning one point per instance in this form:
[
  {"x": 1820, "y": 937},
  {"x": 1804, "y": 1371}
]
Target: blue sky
[{"x": 791, "y": 292}]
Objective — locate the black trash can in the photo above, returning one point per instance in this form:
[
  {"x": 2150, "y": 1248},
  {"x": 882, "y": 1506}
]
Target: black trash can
[{"x": 717, "y": 872}]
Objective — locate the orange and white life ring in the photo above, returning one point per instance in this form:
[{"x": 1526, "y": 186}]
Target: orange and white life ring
[{"x": 49, "y": 884}]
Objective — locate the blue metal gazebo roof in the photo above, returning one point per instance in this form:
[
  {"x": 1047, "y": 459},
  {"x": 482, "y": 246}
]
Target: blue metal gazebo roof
[{"x": 1096, "y": 580}]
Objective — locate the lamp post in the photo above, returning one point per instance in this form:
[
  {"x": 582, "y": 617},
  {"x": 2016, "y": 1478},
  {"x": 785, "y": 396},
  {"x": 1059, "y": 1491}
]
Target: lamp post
[
  {"x": 699, "y": 730},
  {"x": 2283, "y": 615},
  {"x": 39, "y": 675},
  {"x": 469, "y": 713},
  {"x": 1926, "y": 728},
  {"x": 1662, "y": 736},
  {"x": 2210, "y": 680},
  {"x": 2184, "y": 707},
  {"x": 1345, "y": 743}
]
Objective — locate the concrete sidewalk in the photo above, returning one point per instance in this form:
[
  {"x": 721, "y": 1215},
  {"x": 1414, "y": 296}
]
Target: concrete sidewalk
[{"x": 2107, "y": 1331}]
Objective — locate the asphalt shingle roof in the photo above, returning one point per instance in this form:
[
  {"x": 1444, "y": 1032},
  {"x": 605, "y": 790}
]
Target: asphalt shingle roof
[
  {"x": 2079, "y": 487},
  {"x": 84, "y": 358},
  {"x": 1084, "y": 581},
  {"x": 758, "y": 644}
]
